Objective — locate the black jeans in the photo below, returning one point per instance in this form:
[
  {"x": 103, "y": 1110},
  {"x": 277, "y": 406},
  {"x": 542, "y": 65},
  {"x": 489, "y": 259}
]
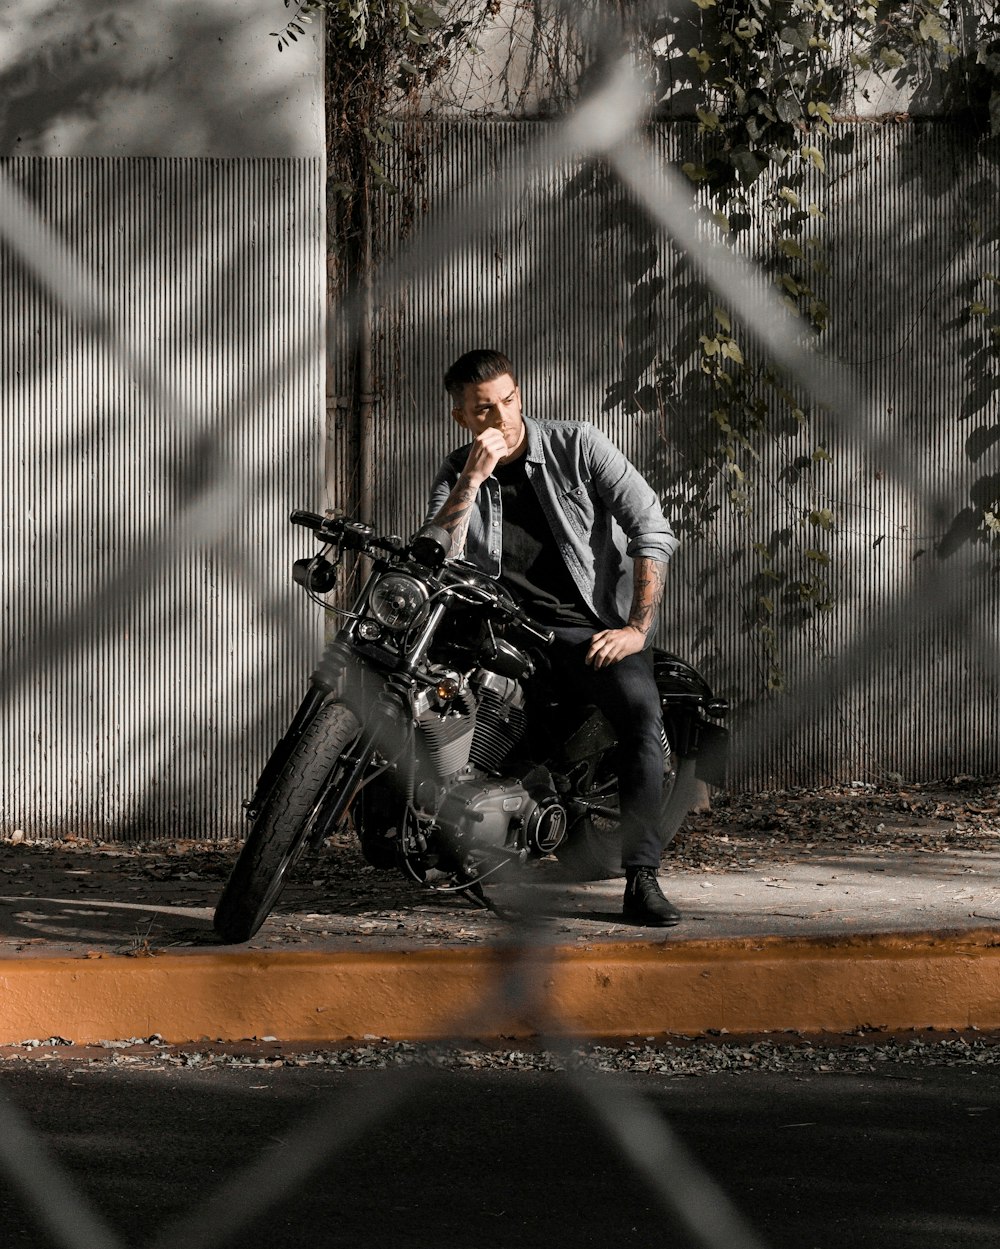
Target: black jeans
[{"x": 626, "y": 693}]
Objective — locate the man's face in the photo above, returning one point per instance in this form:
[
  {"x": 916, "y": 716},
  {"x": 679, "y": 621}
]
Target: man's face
[{"x": 493, "y": 405}]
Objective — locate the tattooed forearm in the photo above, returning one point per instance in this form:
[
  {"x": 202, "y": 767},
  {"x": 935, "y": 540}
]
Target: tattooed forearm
[
  {"x": 456, "y": 512},
  {"x": 648, "y": 579}
]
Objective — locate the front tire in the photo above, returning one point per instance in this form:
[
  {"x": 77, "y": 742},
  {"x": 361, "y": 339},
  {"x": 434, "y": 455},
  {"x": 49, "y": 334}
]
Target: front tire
[{"x": 281, "y": 831}]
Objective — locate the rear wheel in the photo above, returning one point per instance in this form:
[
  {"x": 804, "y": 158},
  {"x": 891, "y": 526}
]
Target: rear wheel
[
  {"x": 593, "y": 848},
  {"x": 282, "y": 830}
]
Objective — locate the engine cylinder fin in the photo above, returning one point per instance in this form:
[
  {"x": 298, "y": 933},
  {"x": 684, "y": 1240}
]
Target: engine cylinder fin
[
  {"x": 499, "y": 727},
  {"x": 447, "y": 739}
]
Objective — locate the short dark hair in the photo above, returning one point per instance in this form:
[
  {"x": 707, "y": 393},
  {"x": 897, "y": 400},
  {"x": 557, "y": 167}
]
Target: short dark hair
[{"x": 481, "y": 365}]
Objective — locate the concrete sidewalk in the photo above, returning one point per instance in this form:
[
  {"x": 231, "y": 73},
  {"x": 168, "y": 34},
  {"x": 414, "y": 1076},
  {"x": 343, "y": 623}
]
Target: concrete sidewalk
[{"x": 105, "y": 942}]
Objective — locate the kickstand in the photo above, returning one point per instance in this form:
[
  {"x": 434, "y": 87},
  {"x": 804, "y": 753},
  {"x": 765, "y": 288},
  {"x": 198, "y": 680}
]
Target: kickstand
[
  {"x": 474, "y": 892},
  {"x": 477, "y": 896}
]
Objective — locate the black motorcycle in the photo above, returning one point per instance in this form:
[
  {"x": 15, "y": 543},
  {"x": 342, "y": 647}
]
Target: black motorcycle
[{"x": 429, "y": 728}]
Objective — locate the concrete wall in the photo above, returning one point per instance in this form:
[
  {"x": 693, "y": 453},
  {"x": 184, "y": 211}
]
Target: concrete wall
[{"x": 189, "y": 78}]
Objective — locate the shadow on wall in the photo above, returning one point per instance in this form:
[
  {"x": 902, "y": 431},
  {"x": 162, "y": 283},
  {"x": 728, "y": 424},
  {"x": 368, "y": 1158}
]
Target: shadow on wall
[
  {"x": 156, "y": 641},
  {"x": 825, "y": 569},
  {"x": 143, "y": 78}
]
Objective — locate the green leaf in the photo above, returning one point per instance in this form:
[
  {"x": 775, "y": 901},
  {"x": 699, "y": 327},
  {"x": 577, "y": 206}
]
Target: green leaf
[
  {"x": 788, "y": 108},
  {"x": 890, "y": 58},
  {"x": 931, "y": 29},
  {"x": 822, "y": 111},
  {"x": 814, "y": 155},
  {"x": 732, "y": 352},
  {"x": 697, "y": 173},
  {"x": 796, "y": 36},
  {"x": 701, "y": 59},
  {"x": 747, "y": 164},
  {"x": 722, "y": 316},
  {"x": 427, "y": 16},
  {"x": 821, "y": 518}
]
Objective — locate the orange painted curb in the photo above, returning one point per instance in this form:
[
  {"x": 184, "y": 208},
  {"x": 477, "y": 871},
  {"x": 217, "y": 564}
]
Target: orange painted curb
[{"x": 894, "y": 981}]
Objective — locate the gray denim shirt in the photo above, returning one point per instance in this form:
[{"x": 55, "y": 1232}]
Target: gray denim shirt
[{"x": 602, "y": 512}]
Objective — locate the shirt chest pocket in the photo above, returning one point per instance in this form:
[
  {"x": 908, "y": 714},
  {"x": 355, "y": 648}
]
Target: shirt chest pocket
[{"x": 578, "y": 507}]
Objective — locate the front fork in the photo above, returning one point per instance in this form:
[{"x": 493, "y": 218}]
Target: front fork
[{"x": 384, "y": 732}]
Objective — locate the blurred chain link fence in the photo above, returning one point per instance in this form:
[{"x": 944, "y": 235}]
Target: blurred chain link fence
[{"x": 165, "y": 369}]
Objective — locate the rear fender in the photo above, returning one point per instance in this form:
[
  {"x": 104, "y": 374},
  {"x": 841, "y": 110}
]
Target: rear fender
[{"x": 684, "y": 698}]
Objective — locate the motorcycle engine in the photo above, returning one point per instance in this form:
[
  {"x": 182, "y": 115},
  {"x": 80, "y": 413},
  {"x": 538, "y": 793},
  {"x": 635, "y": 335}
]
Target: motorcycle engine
[{"x": 481, "y": 815}]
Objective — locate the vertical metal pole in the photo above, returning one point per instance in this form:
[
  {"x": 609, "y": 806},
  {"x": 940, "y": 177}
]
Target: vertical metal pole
[{"x": 364, "y": 371}]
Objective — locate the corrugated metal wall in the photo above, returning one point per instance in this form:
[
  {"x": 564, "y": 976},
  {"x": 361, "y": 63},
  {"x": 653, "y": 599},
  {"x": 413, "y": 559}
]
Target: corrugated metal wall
[
  {"x": 911, "y": 219},
  {"x": 154, "y": 646}
]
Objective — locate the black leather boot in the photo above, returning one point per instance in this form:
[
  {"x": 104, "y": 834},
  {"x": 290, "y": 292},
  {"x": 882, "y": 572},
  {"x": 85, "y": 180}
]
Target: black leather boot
[{"x": 644, "y": 901}]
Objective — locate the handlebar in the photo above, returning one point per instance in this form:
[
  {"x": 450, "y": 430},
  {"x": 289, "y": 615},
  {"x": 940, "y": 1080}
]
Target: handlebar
[
  {"x": 350, "y": 533},
  {"x": 357, "y": 536},
  {"x": 544, "y": 636}
]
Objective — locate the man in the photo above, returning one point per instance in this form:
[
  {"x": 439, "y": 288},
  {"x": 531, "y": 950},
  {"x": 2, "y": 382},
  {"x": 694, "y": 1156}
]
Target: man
[{"x": 555, "y": 511}]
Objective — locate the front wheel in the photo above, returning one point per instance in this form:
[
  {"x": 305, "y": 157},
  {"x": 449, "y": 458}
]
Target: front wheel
[{"x": 281, "y": 831}]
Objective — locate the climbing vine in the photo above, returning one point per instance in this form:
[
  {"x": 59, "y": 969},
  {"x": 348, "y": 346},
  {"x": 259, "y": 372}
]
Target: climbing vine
[
  {"x": 380, "y": 54},
  {"x": 769, "y": 84}
]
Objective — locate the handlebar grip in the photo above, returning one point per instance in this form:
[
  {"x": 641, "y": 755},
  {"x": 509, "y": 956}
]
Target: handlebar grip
[{"x": 310, "y": 520}]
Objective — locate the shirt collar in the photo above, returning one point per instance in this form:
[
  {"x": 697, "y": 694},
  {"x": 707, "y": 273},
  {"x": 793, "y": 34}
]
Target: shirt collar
[{"x": 534, "y": 452}]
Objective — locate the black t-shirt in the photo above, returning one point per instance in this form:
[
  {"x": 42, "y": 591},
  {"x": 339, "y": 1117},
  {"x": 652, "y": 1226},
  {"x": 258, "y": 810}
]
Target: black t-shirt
[{"x": 532, "y": 568}]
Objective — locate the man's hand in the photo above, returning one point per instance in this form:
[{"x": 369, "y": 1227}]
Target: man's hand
[
  {"x": 487, "y": 450},
  {"x": 611, "y": 645}
]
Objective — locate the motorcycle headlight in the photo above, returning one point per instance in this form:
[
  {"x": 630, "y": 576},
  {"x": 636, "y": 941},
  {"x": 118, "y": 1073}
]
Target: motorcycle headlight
[{"x": 397, "y": 601}]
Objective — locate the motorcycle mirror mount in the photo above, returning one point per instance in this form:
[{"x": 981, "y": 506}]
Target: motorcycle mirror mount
[{"x": 430, "y": 546}]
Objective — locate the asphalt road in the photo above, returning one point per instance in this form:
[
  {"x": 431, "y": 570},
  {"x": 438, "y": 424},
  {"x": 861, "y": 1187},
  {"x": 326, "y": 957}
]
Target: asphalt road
[{"x": 905, "y": 1158}]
